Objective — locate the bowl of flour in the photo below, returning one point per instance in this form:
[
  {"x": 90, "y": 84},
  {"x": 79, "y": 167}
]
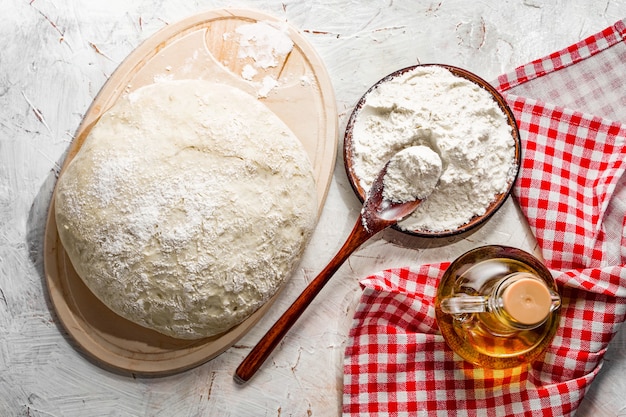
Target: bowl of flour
[{"x": 457, "y": 115}]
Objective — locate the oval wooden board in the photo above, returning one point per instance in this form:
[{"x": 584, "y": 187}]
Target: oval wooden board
[{"x": 204, "y": 46}]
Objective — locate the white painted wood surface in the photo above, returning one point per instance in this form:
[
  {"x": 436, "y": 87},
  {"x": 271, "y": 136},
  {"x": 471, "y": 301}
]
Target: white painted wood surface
[{"x": 54, "y": 57}]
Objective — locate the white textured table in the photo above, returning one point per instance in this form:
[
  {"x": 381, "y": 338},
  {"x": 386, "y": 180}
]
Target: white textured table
[{"x": 54, "y": 57}]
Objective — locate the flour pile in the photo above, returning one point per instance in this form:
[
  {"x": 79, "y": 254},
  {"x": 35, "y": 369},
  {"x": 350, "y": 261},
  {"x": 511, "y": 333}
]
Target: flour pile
[{"x": 454, "y": 117}]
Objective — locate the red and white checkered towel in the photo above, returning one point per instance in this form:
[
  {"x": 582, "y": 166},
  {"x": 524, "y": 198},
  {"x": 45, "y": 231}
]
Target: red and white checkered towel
[{"x": 572, "y": 189}]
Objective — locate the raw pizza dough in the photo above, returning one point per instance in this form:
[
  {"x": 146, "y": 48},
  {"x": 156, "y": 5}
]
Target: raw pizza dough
[{"x": 187, "y": 207}]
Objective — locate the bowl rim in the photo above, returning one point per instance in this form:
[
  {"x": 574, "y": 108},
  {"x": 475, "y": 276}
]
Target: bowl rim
[{"x": 499, "y": 200}]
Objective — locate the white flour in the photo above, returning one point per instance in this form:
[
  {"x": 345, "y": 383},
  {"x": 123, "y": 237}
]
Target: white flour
[
  {"x": 267, "y": 43},
  {"x": 411, "y": 174},
  {"x": 454, "y": 117},
  {"x": 264, "y": 42}
]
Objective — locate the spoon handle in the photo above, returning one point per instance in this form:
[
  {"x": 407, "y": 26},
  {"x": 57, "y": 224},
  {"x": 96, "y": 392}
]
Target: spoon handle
[{"x": 275, "y": 334}]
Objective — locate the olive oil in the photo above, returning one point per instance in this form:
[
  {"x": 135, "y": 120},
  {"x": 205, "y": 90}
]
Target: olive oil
[{"x": 487, "y": 335}]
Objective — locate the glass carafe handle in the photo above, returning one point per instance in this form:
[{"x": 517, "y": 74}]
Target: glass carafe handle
[{"x": 463, "y": 304}]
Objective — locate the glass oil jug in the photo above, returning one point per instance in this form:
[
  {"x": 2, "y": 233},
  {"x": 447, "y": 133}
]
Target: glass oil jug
[{"x": 497, "y": 307}]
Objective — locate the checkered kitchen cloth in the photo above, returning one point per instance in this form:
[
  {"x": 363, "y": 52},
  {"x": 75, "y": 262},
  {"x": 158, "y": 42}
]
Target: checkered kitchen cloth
[{"x": 573, "y": 192}]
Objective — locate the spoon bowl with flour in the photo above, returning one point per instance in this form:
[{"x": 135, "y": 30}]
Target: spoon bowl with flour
[
  {"x": 405, "y": 181},
  {"x": 408, "y": 178}
]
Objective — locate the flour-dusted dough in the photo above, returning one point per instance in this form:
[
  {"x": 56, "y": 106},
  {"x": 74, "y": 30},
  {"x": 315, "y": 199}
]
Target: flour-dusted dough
[{"x": 187, "y": 207}]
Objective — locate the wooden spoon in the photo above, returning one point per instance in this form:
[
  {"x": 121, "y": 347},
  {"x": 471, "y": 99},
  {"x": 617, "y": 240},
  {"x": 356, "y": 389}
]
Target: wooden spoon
[{"x": 377, "y": 214}]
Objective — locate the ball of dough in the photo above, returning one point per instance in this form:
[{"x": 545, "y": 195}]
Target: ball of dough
[{"x": 187, "y": 207}]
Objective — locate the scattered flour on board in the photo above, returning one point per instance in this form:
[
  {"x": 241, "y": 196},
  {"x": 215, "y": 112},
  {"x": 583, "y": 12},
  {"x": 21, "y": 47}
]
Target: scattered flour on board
[
  {"x": 457, "y": 119},
  {"x": 266, "y": 43},
  {"x": 262, "y": 45},
  {"x": 263, "y": 42}
]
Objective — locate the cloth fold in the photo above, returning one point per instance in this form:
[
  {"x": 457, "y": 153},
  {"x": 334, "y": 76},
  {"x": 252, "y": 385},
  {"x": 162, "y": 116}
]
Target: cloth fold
[{"x": 572, "y": 190}]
